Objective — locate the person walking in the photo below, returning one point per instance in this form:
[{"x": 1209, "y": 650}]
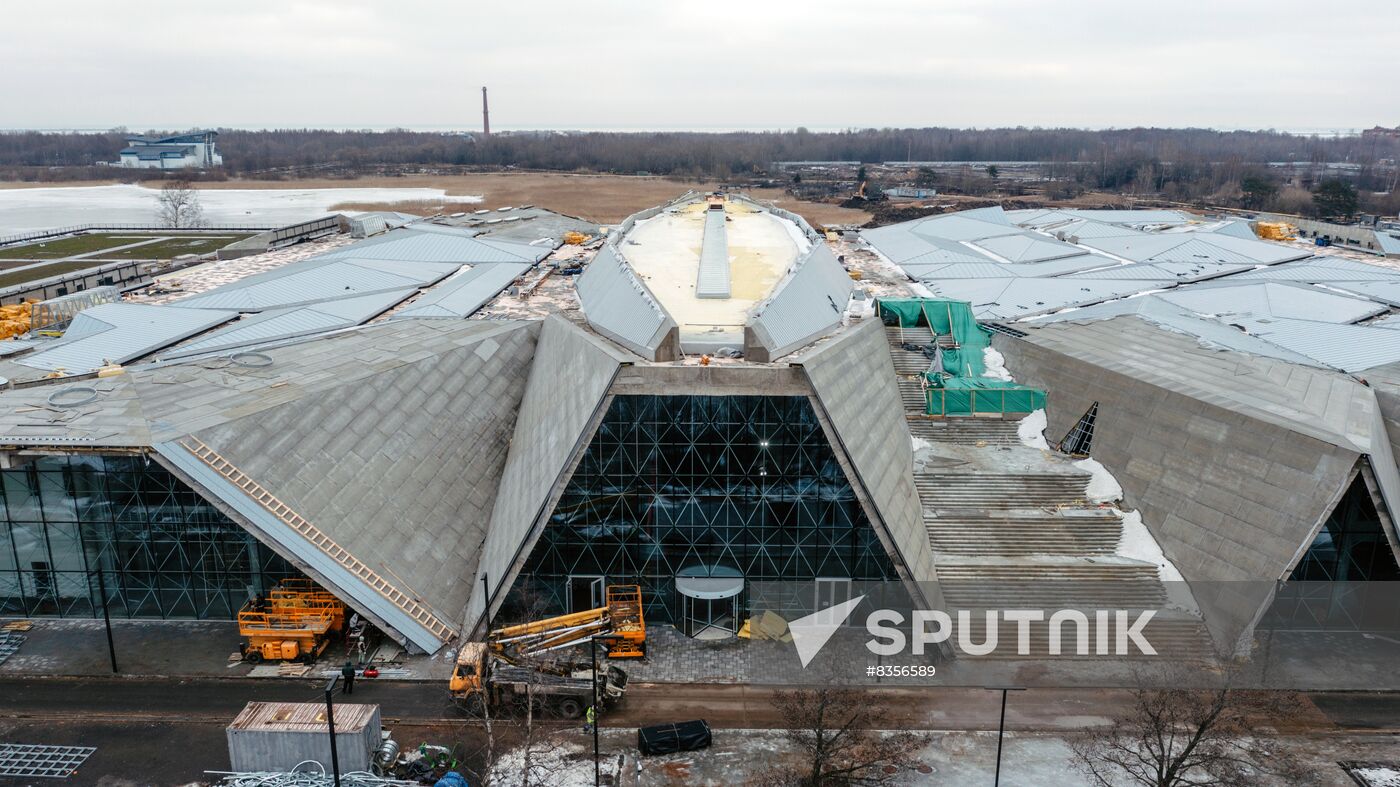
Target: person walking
[
  {"x": 348, "y": 672},
  {"x": 590, "y": 718}
]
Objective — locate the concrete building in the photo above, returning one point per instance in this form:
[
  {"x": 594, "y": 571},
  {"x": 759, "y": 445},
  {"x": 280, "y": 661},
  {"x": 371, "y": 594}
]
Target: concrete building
[
  {"x": 442, "y": 426},
  {"x": 1241, "y": 390},
  {"x": 196, "y": 150}
]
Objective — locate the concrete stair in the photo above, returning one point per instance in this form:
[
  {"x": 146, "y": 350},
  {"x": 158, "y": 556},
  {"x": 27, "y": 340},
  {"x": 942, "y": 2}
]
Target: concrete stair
[
  {"x": 975, "y": 491},
  {"x": 1173, "y": 635},
  {"x": 992, "y": 534},
  {"x": 911, "y": 394},
  {"x": 908, "y": 361},
  {"x": 1027, "y": 540},
  {"x": 966, "y": 430},
  {"x": 1029, "y": 584}
]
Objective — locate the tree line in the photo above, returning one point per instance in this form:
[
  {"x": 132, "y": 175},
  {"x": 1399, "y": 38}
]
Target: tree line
[
  {"x": 721, "y": 154},
  {"x": 1189, "y": 164}
]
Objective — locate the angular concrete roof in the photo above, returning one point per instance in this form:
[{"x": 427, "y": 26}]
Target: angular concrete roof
[
  {"x": 1234, "y": 460},
  {"x": 399, "y": 464},
  {"x": 806, "y": 304},
  {"x": 1324, "y": 405},
  {"x": 619, "y": 306},
  {"x": 103, "y": 412},
  {"x": 369, "y": 457},
  {"x": 564, "y": 399}
]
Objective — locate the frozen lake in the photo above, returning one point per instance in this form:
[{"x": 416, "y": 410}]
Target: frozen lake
[{"x": 24, "y": 210}]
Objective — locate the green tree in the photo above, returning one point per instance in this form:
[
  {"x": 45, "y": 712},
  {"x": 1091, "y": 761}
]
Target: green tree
[
  {"x": 797, "y": 177},
  {"x": 992, "y": 171},
  {"x": 926, "y": 177},
  {"x": 1334, "y": 199},
  {"x": 1257, "y": 190},
  {"x": 860, "y": 175}
]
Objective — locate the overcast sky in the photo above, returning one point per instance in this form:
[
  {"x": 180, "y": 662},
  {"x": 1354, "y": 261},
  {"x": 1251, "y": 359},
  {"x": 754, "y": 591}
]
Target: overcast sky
[{"x": 712, "y": 64}]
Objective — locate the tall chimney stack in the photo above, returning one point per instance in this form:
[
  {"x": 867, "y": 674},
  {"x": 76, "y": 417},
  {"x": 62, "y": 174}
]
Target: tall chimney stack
[{"x": 485, "y": 115}]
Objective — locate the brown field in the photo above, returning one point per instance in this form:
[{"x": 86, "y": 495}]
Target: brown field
[
  {"x": 606, "y": 199},
  {"x": 603, "y": 198}
]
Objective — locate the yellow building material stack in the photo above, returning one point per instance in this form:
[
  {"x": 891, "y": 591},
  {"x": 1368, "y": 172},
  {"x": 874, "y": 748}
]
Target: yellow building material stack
[
  {"x": 1275, "y": 230},
  {"x": 14, "y": 319}
]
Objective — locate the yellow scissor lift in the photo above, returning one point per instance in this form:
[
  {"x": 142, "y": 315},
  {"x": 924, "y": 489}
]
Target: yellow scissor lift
[{"x": 294, "y": 622}]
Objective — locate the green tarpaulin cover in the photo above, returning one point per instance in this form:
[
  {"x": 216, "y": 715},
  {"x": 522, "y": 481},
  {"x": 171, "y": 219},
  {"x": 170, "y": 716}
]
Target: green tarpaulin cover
[
  {"x": 961, "y": 389},
  {"x": 963, "y": 396}
]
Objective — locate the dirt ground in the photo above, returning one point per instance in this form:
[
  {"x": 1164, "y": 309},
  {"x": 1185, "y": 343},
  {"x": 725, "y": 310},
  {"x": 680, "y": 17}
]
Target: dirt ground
[{"x": 607, "y": 199}]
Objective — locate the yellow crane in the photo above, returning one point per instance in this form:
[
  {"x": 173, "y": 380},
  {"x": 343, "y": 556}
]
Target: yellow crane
[{"x": 619, "y": 621}]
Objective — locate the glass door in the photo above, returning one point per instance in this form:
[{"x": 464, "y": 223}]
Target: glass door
[
  {"x": 586, "y": 592},
  {"x": 830, "y": 592},
  {"x": 710, "y": 618}
]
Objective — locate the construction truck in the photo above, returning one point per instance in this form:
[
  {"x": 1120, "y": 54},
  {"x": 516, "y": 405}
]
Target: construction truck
[
  {"x": 293, "y": 622},
  {"x": 483, "y": 678},
  {"x": 617, "y": 625}
]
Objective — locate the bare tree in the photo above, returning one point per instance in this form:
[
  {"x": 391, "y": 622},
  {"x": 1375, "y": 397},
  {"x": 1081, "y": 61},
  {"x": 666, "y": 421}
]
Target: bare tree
[
  {"x": 1189, "y": 736},
  {"x": 179, "y": 205},
  {"x": 537, "y": 733},
  {"x": 839, "y": 734}
]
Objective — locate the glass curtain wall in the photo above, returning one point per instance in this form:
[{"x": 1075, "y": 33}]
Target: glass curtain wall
[
  {"x": 702, "y": 486},
  {"x": 163, "y": 550},
  {"x": 1348, "y": 579}
]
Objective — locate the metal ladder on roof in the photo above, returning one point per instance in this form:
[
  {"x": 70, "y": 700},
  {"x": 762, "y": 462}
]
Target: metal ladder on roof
[{"x": 318, "y": 539}]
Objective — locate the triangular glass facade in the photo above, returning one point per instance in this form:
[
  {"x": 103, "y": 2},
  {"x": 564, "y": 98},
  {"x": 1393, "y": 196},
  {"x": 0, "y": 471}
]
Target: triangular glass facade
[
  {"x": 702, "y": 485},
  {"x": 1351, "y": 547},
  {"x": 1348, "y": 578},
  {"x": 162, "y": 550}
]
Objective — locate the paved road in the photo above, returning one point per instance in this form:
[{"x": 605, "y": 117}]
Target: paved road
[
  {"x": 203, "y": 700},
  {"x": 169, "y": 732}
]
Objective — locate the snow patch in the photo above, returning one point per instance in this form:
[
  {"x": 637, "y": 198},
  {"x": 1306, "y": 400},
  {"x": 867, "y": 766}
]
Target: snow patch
[
  {"x": 1380, "y": 776},
  {"x": 1031, "y": 431},
  {"x": 551, "y": 762},
  {"x": 799, "y": 238},
  {"x": 1139, "y": 544},
  {"x": 1103, "y": 487},
  {"x": 996, "y": 365},
  {"x": 22, "y": 210}
]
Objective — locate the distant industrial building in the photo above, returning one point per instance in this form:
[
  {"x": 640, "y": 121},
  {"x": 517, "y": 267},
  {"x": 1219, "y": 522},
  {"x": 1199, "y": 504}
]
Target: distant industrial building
[{"x": 196, "y": 150}]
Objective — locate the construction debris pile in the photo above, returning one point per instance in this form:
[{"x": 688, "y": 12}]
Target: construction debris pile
[
  {"x": 317, "y": 778},
  {"x": 768, "y": 626}
]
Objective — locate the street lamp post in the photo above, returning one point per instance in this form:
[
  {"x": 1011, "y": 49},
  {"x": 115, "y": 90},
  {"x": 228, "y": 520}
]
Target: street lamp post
[
  {"x": 330, "y": 724},
  {"x": 107, "y": 619},
  {"x": 593, "y": 654},
  {"x": 1001, "y": 725}
]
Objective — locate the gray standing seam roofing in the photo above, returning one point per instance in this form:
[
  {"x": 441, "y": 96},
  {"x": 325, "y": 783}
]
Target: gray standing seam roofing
[{"x": 712, "y": 279}]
